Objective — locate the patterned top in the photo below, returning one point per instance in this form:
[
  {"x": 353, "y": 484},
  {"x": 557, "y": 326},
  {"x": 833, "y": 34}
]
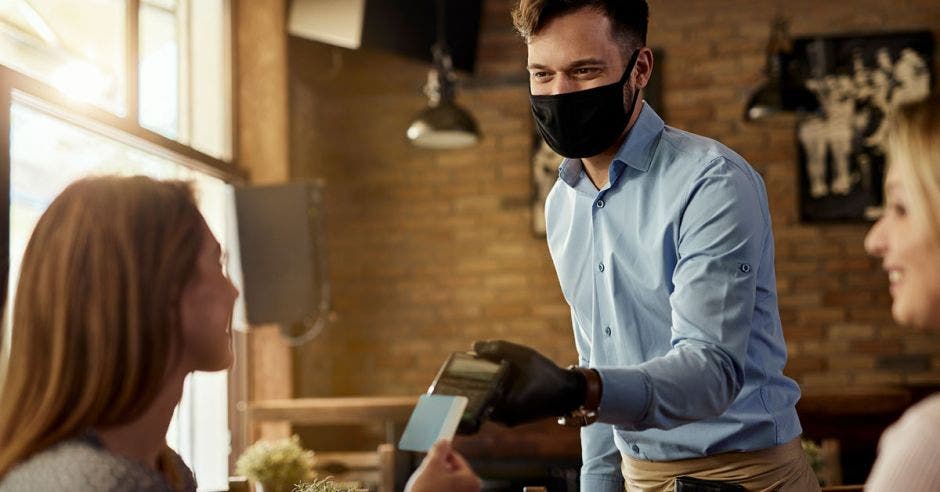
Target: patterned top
[
  {"x": 83, "y": 464},
  {"x": 909, "y": 452}
]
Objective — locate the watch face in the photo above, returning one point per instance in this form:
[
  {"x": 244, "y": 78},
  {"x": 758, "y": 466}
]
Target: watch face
[{"x": 578, "y": 418}]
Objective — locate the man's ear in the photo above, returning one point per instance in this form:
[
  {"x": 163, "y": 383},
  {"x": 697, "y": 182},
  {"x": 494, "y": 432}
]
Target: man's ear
[{"x": 644, "y": 67}]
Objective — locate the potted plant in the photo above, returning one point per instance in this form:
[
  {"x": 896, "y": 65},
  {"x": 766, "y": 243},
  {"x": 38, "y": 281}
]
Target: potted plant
[
  {"x": 276, "y": 466},
  {"x": 815, "y": 458}
]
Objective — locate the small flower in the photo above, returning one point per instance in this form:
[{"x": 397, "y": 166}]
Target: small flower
[
  {"x": 277, "y": 465},
  {"x": 325, "y": 485}
]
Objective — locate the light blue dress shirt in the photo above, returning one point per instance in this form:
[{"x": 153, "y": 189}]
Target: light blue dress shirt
[{"x": 669, "y": 272}]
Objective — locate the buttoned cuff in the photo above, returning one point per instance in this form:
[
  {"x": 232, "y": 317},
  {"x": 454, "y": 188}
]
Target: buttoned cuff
[{"x": 625, "y": 396}]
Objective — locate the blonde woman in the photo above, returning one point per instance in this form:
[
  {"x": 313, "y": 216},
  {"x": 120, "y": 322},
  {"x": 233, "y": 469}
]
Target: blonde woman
[
  {"x": 121, "y": 295},
  {"x": 907, "y": 239}
]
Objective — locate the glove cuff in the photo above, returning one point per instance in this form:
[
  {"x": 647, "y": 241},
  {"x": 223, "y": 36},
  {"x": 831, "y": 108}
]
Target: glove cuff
[
  {"x": 589, "y": 397},
  {"x": 590, "y": 388}
]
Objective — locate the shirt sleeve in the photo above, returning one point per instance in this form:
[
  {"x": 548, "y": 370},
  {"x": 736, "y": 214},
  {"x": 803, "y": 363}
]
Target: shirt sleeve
[
  {"x": 600, "y": 458},
  {"x": 909, "y": 453},
  {"x": 720, "y": 240}
]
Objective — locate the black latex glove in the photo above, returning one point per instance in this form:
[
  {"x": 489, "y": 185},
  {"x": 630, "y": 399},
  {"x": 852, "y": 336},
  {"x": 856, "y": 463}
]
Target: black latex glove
[{"x": 536, "y": 387}]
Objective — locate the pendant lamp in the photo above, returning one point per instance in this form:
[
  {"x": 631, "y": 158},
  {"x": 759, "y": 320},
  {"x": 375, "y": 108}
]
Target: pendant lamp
[
  {"x": 782, "y": 90},
  {"x": 443, "y": 124}
]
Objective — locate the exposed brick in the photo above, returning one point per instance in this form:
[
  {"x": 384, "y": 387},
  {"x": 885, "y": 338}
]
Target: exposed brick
[
  {"x": 876, "y": 346},
  {"x": 848, "y": 265},
  {"x": 843, "y": 361},
  {"x": 905, "y": 362},
  {"x": 851, "y": 331},
  {"x": 803, "y": 332},
  {"x": 874, "y": 377},
  {"x": 805, "y": 364},
  {"x": 824, "y": 315},
  {"x": 826, "y": 379},
  {"x": 430, "y": 250},
  {"x": 849, "y": 298}
]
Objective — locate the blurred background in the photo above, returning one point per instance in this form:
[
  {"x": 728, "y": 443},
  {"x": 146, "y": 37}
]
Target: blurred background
[{"x": 411, "y": 244}]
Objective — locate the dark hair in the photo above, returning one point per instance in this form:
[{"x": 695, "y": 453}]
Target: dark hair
[{"x": 628, "y": 18}]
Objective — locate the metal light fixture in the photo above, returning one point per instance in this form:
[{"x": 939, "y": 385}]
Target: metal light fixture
[
  {"x": 782, "y": 89},
  {"x": 443, "y": 124}
]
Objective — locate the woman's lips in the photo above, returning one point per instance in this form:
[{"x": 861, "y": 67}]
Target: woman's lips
[{"x": 894, "y": 278}]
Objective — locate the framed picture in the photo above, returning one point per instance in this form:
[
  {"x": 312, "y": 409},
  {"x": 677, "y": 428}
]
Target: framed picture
[
  {"x": 859, "y": 81},
  {"x": 545, "y": 161}
]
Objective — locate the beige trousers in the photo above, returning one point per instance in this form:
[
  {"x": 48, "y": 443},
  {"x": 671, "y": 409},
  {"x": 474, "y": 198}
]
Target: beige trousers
[{"x": 782, "y": 468}]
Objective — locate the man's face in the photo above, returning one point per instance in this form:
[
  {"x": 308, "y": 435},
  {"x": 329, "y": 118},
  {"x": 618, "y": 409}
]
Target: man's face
[{"x": 574, "y": 52}]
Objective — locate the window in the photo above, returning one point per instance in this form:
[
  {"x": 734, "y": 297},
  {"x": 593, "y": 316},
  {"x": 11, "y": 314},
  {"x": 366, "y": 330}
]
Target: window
[
  {"x": 124, "y": 87},
  {"x": 182, "y": 84},
  {"x": 75, "y": 46},
  {"x": 185, "y": 72}
]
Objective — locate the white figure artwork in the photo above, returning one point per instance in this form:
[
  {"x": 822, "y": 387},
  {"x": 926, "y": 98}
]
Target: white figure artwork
[
  {"x": 855, "y": 109},
  {"x": 913, "y": 78}
]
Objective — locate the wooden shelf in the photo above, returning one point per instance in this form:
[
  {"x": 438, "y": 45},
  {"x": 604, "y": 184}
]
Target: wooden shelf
[
  {"x": 376, "y": 467},
  {"x": 333, "y": 411}
]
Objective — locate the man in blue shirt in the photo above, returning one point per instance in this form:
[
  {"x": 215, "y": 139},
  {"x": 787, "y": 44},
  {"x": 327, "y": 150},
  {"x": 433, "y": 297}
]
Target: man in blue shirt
[{"x": 663, "y": 247}]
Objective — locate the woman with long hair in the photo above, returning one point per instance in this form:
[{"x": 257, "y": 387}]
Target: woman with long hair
[
  {"x": 121, "y": 295},
  {"x": 907, "y": 239}
]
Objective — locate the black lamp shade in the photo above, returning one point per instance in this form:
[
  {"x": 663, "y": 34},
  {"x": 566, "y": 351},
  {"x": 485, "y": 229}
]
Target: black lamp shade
[
  {"x": 444, "y": 126},
  {"x": 783, "y": 89}
]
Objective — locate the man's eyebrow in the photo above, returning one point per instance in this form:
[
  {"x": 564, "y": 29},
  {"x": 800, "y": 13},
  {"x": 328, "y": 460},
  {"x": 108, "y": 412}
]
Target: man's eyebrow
[
  {"x": 586, "y": 62},
  {"x": 575, "y": 64}
]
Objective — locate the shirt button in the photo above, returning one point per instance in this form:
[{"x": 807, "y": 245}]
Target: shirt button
[
  {"x": 600, "y": 204},
  {"x": 636, "y": 449},
  {"x": 600, "y": 266},
  {"x": 607, "y": 331}
]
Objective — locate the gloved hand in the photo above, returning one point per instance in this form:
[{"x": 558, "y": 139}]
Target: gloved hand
[{"x": 536, "y": 387}]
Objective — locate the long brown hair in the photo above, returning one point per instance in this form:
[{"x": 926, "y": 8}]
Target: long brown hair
[{"x": 95, "y": 319}]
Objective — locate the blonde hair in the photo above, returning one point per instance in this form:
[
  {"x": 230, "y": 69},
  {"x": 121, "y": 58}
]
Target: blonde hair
[
  {"x": 914, "y": 151},
  {"x": 95, "y": 319}
]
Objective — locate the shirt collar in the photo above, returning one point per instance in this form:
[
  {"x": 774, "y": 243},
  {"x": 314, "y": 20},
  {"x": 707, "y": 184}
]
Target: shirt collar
[{"x": 636, "y": 151}]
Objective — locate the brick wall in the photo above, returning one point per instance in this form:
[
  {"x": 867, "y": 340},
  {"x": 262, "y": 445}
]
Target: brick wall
[{"x": 432, "y": 250}]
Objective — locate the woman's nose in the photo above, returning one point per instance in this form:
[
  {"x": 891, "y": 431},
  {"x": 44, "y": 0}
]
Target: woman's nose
[{"x": 874, "y": 240}]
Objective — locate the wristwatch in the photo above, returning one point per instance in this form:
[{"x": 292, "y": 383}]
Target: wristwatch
[{"x": 586, "y": 414}]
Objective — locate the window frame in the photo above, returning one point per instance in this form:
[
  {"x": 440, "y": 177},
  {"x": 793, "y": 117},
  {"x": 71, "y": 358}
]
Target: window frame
[{"x": 127, "y": 129}]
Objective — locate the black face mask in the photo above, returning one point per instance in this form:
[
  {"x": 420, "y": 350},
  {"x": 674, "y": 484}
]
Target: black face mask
[{"x": 584, "y": 123}]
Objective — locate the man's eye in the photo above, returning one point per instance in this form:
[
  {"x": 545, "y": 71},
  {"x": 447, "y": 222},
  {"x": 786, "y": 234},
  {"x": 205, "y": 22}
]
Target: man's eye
[
  {"x": 585, "y": 71},
  {"x": 539, "y": 75}
]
